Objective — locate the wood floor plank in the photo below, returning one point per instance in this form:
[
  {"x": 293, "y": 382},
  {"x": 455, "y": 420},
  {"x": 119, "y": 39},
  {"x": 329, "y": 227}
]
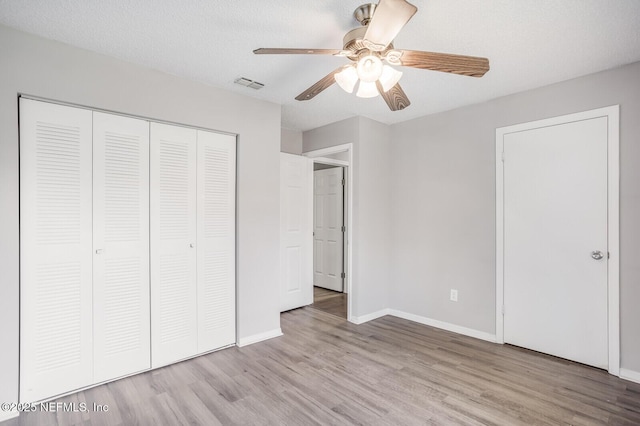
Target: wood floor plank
[
  {"x": 390, "y": 371},
  {"x": 332, "y": 302}
]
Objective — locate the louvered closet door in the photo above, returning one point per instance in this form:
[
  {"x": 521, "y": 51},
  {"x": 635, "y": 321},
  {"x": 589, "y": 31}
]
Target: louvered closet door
[
  {"x": 216, "y": 240},
  {"x": 174, "y": 332},
  {"x": 55, "y": 250},
  {"x": 121, "y": 245}
]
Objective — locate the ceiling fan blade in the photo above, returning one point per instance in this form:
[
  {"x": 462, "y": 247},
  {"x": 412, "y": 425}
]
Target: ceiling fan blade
[
  {"x": 457, "y": 64},
  {"x": 388, "y": 19},
  {"x": 394, "y": 97},
  {"x": 322, "y": 84},
  {"x": 285, "y": 51}
]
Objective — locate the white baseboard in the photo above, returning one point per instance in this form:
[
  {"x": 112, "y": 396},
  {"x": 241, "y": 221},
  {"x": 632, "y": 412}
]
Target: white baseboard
[
  {"x": 632, "y": 376},
  {"x": 6, "y": 415},
  {"x": 250, "y": 340},
  {"x": 444, "y": 325},
  {"x": 369, "y": 317}
]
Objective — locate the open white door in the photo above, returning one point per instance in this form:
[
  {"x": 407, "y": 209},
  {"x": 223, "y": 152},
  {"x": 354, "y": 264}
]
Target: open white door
[
  {"x": 328, "y": 229},
  {"x": 296, "y": 232},
  {"x": 555, "y": 240}
]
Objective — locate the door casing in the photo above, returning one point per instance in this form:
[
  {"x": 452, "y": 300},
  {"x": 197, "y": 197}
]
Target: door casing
[
  {"x": 319, "y": 155},
  {"x": 613, "y": 220}
]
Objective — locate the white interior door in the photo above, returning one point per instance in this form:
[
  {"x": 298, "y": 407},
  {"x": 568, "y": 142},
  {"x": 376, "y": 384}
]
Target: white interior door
[
  {"x": 216, "y": 188},
  {"x": 121, "y": 246},
  {"x": 174, "y": 330},
  {"x": 328, "y": 228},
  {"x": 56, "y": 351},
  {"x": 296, "y": 231},
  {"x": 555, "y": 218}
]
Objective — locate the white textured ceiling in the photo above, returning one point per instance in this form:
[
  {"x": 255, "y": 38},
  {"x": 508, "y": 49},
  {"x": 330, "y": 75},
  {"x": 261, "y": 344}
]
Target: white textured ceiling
[{"x": 529, "y": 43}]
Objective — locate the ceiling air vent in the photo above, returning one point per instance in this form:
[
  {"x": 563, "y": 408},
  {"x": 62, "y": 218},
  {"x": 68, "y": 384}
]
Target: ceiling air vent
[{"x": 248, "y": 83}]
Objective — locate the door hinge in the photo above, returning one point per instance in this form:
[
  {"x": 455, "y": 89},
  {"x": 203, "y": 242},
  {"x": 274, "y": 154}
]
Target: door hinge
[
  {"x": 608, "y": 255},
  {"x": 343, "y": 275},
  {"x": 343, "y": 182},
  {"x": 503, "y": 156},
  {"x": 503, "y": 310},
  {"x": 343, "y": 228}
]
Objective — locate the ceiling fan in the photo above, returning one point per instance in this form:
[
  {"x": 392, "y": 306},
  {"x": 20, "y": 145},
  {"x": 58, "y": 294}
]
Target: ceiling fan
[{"x": 369, "y": 46}]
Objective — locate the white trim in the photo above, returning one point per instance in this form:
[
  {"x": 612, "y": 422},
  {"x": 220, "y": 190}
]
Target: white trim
[
  {"x": 444, "y": 325},
  {"x": 7, "y": 415},
  {"x": 318, "y": 154},
  {"x": 613, "y": 279},
  {"x": 427, "y": 321},
  {"x": 260, "y": 337},
  {"x": 632, "y": 376},
  {"x": 370, "y": 317},
  {"x": 613, "y": 223},
  {"x": 331, "y": 161},
  {"x": 499, "y": 238},
  {"x": 329, "y": 150}
]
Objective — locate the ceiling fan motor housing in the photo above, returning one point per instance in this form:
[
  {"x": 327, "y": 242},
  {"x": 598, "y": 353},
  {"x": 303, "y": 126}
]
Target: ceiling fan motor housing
[
  {"x": 364, "y": 13},
  {"x": 353, "y": 45}
]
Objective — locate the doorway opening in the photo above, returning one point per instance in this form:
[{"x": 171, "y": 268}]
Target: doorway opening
[
  {"x": 329, "y": 239},
  {"x": 333, "y": 292}
]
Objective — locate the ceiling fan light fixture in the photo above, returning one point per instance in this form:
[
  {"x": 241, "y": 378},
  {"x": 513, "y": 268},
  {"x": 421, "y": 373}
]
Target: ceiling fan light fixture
[
  {"x": 389, "y": 77},
  {"x": 367, "y": 89},
  {"x": 369, "y": 68},
  {"x": 347, "y": 78}
]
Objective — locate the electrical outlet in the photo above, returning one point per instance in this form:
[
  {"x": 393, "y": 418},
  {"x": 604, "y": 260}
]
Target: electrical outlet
[{"x": 454, "y": 295}]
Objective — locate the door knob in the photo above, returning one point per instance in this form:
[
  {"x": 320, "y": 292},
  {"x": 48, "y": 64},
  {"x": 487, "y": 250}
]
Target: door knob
[{"x": 597, "y": 255}]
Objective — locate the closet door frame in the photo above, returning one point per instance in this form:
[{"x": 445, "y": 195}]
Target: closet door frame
[{"x": 90, "y": 253}]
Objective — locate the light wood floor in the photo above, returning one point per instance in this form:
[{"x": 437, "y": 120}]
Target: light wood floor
[
  {"x": 389, "y": 371},
  {"x": 332, "y": 302}
]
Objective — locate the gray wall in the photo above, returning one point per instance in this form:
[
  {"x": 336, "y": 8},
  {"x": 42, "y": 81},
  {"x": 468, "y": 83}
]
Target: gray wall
[
  {"x": 443, "y": 201},
  {"x": 53, "y": 70},
  {"x": 291, "y": 141},
  {"x": 371, "y": 209}
]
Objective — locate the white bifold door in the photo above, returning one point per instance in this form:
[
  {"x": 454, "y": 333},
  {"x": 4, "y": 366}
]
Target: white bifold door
[
  {"x": 127, "y": 246},
  {"x": 296, "y": 231},
  {"x": 173, "y": 243},
  {"x": 120, "y": 245},
  {"x": 216, "y": 224},
  {"x": 56, "y": 309},
  {"x": 84, "y": 255},
  {"x": 192, "y": 242},
  {"x": 328, "y": 230}
]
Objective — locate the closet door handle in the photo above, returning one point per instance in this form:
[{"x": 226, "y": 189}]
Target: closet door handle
[
  {"x": 191, "y": 245},
  {"x": 98, "y": 251}
]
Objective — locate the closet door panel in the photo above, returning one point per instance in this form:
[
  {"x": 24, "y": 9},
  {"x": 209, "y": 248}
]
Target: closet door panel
[
  {"x": 173, "y": 244},
  {"x": 121, "y": 245},
  {"x": 216, "y": 240},
  {"x": 56, "y": 353}
]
